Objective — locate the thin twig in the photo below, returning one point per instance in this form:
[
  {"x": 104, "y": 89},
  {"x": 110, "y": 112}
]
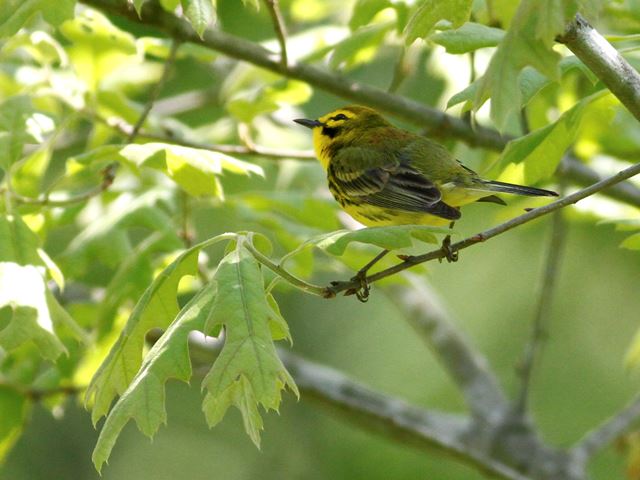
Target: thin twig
[
  {"x": 153, "y": 96},
  {"x": 607, "y": 432},
  {"x": 289, "y": 277},
  {"x": 108, "y": 176},
  {"x": 543, "y": 311},
  {"x": 575, "y": 197},
  {"x": 37, "y": 394},
  {"x": 278, "y": 26},
  {"x": 124, "y": 128},
  {"x": 399, "y": 72}
]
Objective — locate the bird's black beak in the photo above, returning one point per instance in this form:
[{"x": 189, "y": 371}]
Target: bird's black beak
[{"x": 308, "y": 123}]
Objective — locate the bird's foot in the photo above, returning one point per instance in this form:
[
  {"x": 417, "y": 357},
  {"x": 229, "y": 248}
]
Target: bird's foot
[
  {"x": 450, "y": 255},
  {"x": 363, "y": 289}
]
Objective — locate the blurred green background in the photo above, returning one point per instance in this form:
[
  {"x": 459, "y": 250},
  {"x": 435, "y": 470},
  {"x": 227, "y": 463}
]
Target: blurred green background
[{"x": 491, "y": 293}]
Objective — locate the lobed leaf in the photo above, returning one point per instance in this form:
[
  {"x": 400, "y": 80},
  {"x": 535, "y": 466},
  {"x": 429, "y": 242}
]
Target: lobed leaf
[
  {"x": 248, "y": 371},
  {"x": 429, "y": 12},
  {"x": 157, "y": 308},
  {"x": 144, "y": 399},
  {"x": 542, "y": 149}
]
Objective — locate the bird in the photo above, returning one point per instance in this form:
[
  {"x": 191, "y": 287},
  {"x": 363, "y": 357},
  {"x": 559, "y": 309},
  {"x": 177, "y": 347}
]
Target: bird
[{"x": 383, "y": 175}]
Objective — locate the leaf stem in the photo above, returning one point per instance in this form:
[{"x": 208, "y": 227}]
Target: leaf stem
[
  {"x": 153, "y": 96},
  {"x": 278, "y": 270}
]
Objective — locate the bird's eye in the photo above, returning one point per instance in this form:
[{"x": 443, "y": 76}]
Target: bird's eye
[{"x": 340, "y": 116}]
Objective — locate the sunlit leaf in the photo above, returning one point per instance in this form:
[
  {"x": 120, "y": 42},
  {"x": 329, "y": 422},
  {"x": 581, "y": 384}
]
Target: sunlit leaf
[
  {"x": 98, "y": 48},
  {"x": 200, "y": 13},
  {"x": 157, "y": 308},
  {"x": 23, "y": 290},
  {"x": 542, "y": 149},
  {"x": 195, "y": 170},
  {"x": 519, "y": 48},
  {"x": 143, "y": 400},
  {"x": 14, "y": 14},
  {"x": 365, "y": 10},
  {"x": 357, "y": 47},
  {"x": 14, "y": 113},
  {"x": 632, "y": 242},
  {"x": 429, "y": 12}
]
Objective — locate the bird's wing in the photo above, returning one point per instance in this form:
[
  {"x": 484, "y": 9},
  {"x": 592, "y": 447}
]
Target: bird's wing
[{"x": 387, "y": 181}]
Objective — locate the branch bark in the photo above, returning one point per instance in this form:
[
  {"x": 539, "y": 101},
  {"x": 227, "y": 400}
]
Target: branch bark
[
  {"x": 466, "y": 366},
  {"x": 605, "y": 61}
]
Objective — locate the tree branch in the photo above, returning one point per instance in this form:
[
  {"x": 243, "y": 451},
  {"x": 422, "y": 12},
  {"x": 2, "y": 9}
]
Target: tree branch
[
  {"x": 439, "y": 123},
  {"x": 605, "y": 61},
  {"x": 153, "y": 96},
  {"x": 468, "y": 368},
  {"x": 278, "y": 26},
  {"x": 543, "y": 311},
  {"x": 606, "y": 433},
  {"x": 374, "y": 411},
  {"x": 575, "y": 197}
]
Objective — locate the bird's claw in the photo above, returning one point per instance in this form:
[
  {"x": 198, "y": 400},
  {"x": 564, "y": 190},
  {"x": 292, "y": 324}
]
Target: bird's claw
[
  {"x": 450, "y": 255},
  {"x": 363, "y": 290}
]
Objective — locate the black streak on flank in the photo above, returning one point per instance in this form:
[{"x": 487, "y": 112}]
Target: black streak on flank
[{"x": 330, "y": 132}]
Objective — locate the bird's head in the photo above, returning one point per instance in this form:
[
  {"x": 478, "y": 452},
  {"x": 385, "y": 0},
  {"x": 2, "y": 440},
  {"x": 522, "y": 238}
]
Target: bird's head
[{"x": 341, "y": 127}]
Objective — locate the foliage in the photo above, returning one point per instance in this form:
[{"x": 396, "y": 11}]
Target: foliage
[{"x": 91, "y": 206}]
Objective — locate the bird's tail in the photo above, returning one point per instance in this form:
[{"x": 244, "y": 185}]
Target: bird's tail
[{"x": 502, "y": 187}]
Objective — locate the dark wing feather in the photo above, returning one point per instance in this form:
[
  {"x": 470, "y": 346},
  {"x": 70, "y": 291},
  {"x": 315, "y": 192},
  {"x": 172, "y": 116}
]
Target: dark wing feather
[{"x": 368, "y": 176}]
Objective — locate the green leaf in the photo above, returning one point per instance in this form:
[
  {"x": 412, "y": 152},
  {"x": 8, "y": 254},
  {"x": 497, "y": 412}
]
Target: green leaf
[
  {"x": 144, "y": 399},
  {"x": 468, "y": 38},
  {"x": 519, "y": 48},
  {"x": 23, "y": 290},
  {"x": 542, "y": 149},
  {"x": 98, "y": 48},
  {"x": 531, "y": 82},
  {"x": 245, "y": 105},
  {"x": 157, "y": 308},
  {"x": 195, "y": 170},
  {"x": 134, "y": 275},
  {"x": 14, "y": 113},
  {"x": 14, "y": 14},
  {"x": 360, "y": 45},
  {"x": 254, "y": 3},
  {"x": 429, "y": 12},
  {"x": 391, "y": 238},
  {"x": 248, "y": 372},
  {"x": 200, "y": 14},
  {"x": 14, "y": 408},
  {"x": 58, "y": 12},
  {"x": 365, "y": 10},
  {"x": 632, "y": 242}
]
